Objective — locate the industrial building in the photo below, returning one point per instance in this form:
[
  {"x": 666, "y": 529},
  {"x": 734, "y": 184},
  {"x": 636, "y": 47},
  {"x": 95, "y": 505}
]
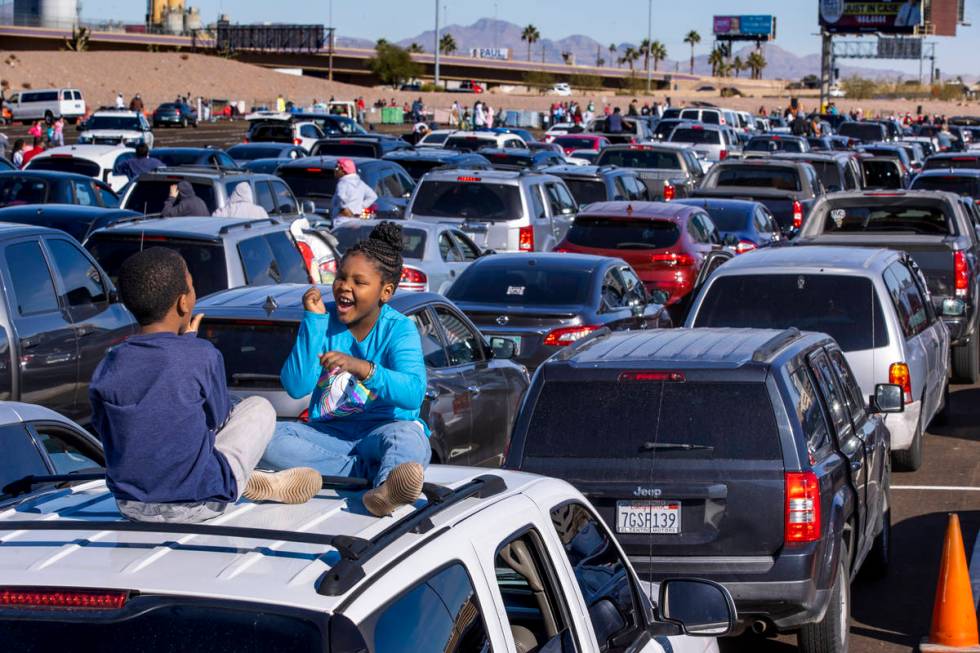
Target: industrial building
[
  {"x": 60, "y": 14},
  {"x": 171, "y": 17}
]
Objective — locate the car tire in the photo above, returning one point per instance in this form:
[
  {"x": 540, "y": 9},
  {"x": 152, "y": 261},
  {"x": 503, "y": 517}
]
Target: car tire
[
  {"x": 876, "y": 564},
  {"x": 966, "y": 361},
  {"x": 831, "y": 634},
  {"x": 909, "y": 460}
]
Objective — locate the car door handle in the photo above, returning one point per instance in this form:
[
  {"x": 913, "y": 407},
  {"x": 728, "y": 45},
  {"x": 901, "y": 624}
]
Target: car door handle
[
  {"x": 473, "y": 389},
  {"x": 30, "y": 343}
]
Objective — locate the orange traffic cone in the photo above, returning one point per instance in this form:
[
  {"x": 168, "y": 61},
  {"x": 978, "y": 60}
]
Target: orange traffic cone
[{"x": 954, "y": 617}]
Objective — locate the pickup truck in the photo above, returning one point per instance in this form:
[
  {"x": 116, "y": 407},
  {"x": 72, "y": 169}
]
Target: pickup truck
[
  {"x": 789, "y": 189},
  {"x": 935, "y": 229},
  {"x": 486, "y": 561},
  {"x": 668, "y": 171},
  {"x": 59, "y": 313}
]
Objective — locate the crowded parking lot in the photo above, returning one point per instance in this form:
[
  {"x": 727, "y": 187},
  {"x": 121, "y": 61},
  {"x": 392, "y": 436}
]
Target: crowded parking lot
[{"x": 715, "y": 386}]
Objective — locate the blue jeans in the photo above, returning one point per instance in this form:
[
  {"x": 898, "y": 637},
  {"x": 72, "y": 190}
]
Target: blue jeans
[{"x": 370, "y": 456}]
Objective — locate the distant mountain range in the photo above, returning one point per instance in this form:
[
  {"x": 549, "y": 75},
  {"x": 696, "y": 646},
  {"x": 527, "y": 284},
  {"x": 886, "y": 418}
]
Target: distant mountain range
[{"x": 488, "y": 32}]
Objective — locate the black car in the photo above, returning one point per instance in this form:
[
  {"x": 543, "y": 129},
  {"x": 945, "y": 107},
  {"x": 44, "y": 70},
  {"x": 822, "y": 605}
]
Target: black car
[
  {"x": 964, "y": 182},
  {"x": 369, "y": 146},
  {"x": 863, "y": 131},
  {"x": 507, "y": 158},
  {"x": 25, "y": 187},
  {"x": 173, "y": 157},
  {"x": 742, "y": 224},
  {"x": 543, "y": 302},
  {"x": 472, "y": 392},
  {"x": 313, "y": 179},
  {"x": 75, "y": 220},
  {"x": 748, "y": 454},
  {"x": 836, "y": 170},
  {"x": 418, "y": 162},
  {"x": 175, "y": 114},
  {"x": 600, "y": 183},
  {"x": 253, "y": 151}
]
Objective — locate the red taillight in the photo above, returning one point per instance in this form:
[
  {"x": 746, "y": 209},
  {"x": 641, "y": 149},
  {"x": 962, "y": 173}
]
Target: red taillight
[
  {"x": 669, "y": 191},
  {"x": 467, "y": 179},
  {"x": 723, "y": 155},
  {"x": 297, "y": 141},
  {"x": 245, "y": 140},
  {"x": 413, "y": 279},
  {"x": 962, "y": 274},
  {"x": 304, "y": 416},
  {"x": 525, "y": 239},
  {"x": 178, "y": 112},
  {"x": 898, "y": 374},
  {"x": 307, "y": 255},
  {"x": 15, "y": 597},
  {"x": 744, "y": 246},
  {"x": 371, "y": 210},
  {"x": 797, "y": 214},
  {"x": 802, "y": 516},
  {"x": 655, "y": 375},
  {"x": 672, "y": 260},
  {"x": 315, "y": 170},
  {"x": 567, "y": 335}
]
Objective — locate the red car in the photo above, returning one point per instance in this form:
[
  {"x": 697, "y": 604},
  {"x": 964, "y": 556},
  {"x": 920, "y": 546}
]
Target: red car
[
  {"x": 666, "y": 243},
  {"x": 571, "y": 142}
]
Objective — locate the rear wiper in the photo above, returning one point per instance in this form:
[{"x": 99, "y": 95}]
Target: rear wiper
[
  {"x": 635, "y": 246},
  {"x": 246, "y": 376},
  {"x": 674, "y": 446},
  {"x": 27, "y": 483}
]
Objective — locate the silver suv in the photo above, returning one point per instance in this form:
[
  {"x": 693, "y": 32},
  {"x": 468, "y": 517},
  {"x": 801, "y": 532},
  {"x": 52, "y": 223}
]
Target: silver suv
[{"x": 502, "y": 211}]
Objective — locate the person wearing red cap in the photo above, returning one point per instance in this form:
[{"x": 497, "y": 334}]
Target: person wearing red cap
[{"x": 352, "y": 195}]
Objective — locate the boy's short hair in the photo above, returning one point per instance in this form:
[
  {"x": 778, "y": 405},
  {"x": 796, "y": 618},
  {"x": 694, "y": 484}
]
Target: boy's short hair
[{"x": 150, "y": 282}]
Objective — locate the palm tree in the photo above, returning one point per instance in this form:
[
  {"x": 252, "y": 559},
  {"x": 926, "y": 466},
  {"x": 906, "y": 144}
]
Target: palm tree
[
  {"x": 756, "y": 63},
  {"x": 447, "y": 44},
  {"x": 600, "y": 62},
  {"x": 658, "y": 52},
  {"x": 693, "y": 38},
  {"x": 530, "y": 34},
  {"x": 415, "y": 48},
  {"x": 630, "y": 56},
  {"x": 717, "y": 61},
  {"x": 612, "y": 52},
  {"x": 644, "y": 50},
  {"x": 738, "y": 66}
]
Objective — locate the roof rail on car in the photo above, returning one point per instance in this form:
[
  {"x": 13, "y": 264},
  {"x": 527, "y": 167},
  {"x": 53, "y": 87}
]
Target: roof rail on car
[
  {"x": 246, "y": 224},
  {"x": 774, "y": 344},
  {"x": 354, "y": 551}
]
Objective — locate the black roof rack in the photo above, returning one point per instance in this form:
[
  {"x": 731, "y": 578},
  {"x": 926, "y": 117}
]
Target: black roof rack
[
  {"x": 774, "y": 344},
  {"x": 354, "y": 551},
  {"x": 201, "y": 167},
  {"x": 246, "y": 224}
]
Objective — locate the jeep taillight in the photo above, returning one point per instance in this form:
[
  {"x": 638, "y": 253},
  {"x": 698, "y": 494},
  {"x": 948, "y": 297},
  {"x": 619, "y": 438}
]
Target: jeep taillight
[
  {"x": 802, "y": 515},
  {"x": 525, "y": 239},
  {"x": 962, "y": 274},
  {"x": 669, "y": 191},
  {"x": 797, "y": 214}
]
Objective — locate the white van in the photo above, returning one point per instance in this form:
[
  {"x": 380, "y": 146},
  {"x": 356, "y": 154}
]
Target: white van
[{"x": 56, "y": 102}]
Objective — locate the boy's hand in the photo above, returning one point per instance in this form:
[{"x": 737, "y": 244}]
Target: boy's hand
[
  {"x": 313, "y": 301},
  {"x": 194, "y": 325},
  {"x": 334, "y": 360},
  {"x": 173, "y": 191}
]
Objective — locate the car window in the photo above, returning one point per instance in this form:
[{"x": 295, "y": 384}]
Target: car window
[
  {"x": 261, "y": 268},
  {"x": 803, "y": 397},
  {"x": 637, "y": 188},
  {"x": 446, "y": 249},
  {"x": 602, "y": 574},
  {"x": 263, "y": 197},
  {"x": 537, "y": 203},
  {"x": 392, "y": 185},
  {"x": 832, "y": 394},
  {"x": 309, "y": 131},
  {"x": 33, "y": 288},
  {"x": 912, "y": 298},
  {"x": 613, "y": 290},
  {"x": 20, "y": 455},
  {"x": 285, "y": 203},
  {"x": 67, "y": 451},
  {"x": 433, "y": 352},
  {"x": 621, "y": 192},
  {"x": 84, "y": 287},
  {"x": 467, "y": 248},
  {"x": 108, "y": 198},
  {"x": 463, "y": 345},
  {"x": 634, "y": 287},
  {"x": 224, "y": 160},
  {"x": 440, "y": 613},
  {"x": 899, "y": 301},
  {"x": 852, "y": 391},
  {"x": 288, "y": 258},
  {"x": 710, "y": 231},
  {"x": 84, "y": 195}
]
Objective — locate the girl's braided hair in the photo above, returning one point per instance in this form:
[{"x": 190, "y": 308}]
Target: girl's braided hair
[{"x": 384, "y": 248}]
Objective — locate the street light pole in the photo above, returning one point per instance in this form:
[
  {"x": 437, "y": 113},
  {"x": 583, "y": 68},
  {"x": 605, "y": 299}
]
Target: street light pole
[
  {"x": 330, "y": 41},
  {"x": 649, "y": 39},
  {"x": 437, "y": 43}
]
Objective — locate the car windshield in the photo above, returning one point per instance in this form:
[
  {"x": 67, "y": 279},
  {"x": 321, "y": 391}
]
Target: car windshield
[
  {"x": 616, "y": 233},
  {"x": 731, "y": 420},
  {"x": 727, "y": 218},
  {"x": 523, "y": 286},
  {"x": 310, "y": 182},
  {"x": 179, "y": 157},
  {"x": 66, "y": 164},
  {"x": 149, "y": 195},
  {"x": 348, "y": 234},
  {"x": 639, "y": 158},
  {"x": 434, "y": 139},
  {"x": 967, "y": 186},
  {"x": 696, "y": 136},
  {"x": 574, "y": 142},
  {"x": 586, "y": 191},
  {"x": 952, "y": 162},
  {"x": 916, "y": 218},
  {"x": 205, "y": 261},
  {"x": 114, "y": 123},
  {"x": 862, "y": 131},
  {"x": 254, "y": 350},
  {"x": 664, "y": 128},
  {"x": 271, "y": 133},
  {"x": 756, "y": 176},
  {"x": 468, "y": 199},
  {"x": 510, "y": 160},
  {"x": 779, "y": 144},
  {"x": 468, "y": 143},
  {"x": 882, "y": 173},
  {"x": 829, "y": 174},
  {"x": 845, "y": 307},
  {"x": 248, "y": 153},
  {"x": 350, "y": 148},
  {"x": 416, "y": 168},
  {"x": 16, "y": 190}
]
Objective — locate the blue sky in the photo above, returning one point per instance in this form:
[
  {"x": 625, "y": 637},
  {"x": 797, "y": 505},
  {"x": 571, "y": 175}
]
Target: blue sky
[{"x": 606, "y": 22}]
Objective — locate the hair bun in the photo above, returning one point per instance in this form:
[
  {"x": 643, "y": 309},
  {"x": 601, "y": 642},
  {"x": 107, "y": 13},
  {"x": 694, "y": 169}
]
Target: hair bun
[{"x": 390, "y": 234}]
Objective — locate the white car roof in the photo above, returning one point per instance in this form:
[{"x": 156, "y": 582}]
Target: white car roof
[
  {"x": 104, "y": 155},
  {"x": 14, "y": 412},
  {"x": 117, "y": 112},
  {"x": 270, "y": 115},
  {"x": 859, "y": 261},
  {"x": 187, "y": 560}
]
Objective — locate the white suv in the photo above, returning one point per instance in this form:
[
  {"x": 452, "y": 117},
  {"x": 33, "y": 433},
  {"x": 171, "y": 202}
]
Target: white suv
[
  {"x": 502, "y": 561},
  {"x": 116, "y": 127}
]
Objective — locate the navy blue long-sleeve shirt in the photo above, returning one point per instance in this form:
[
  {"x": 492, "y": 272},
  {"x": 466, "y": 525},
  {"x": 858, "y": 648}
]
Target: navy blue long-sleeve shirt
[{"x": 157, "y": 402}]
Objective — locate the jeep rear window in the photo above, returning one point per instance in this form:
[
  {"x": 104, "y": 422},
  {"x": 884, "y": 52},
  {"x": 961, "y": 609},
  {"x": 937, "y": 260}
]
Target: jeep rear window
[
  {"x": 736, "y": 419},
  {"x": 471, "y": 200},
  {"x": 845, "y": 307},
  {"x": 756, "y": 176},
  {"x": 149, "y": 195},
  {"x": 614, "y": 233},
  {"x": 639, "y": 159},
  {"x": 66, "y": 164},
  {"x": 205, "y": 261},
  {"x": 586, "y": 191},
  {"x": 254, "y": 350},
  {"x": 921, "y": 219}
]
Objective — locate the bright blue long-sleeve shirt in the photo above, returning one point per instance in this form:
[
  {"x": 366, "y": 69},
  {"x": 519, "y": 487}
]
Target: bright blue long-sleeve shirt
[{"x": 394, "y": 392}]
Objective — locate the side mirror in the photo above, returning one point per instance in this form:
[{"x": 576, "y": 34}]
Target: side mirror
[
  {"x": 659, "y": 296},
  {"x": 308, "y": 207},
  {"x": 503, "y": 348},
  {"x": 700, "y": 607},
  {"x": 888, "y": 398}
]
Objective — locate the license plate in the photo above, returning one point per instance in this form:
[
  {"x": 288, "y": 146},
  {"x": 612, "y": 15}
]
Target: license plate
[
  {"x": 648, "y": 517},
  {"x": 514, "y": 339}
]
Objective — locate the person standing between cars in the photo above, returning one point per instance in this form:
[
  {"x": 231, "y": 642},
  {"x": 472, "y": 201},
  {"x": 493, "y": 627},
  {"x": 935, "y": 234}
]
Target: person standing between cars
[
  {"x": 241, "y": 204},
  {"x": 120, "y": 102},
  {"x": 362, "y": 362},
  {"x": 33, "y": 152},
  {"x": 614, "y": 122},
  {"x": 136, "y": 104},
  {"x": 17, "y": 154},
  {"x": 140, "y": 163},
  {"x": 280, "y": 103},
  {"x": 58, "y": 132},
  {"x": 183, "y": 202},
  {"x": 352, "y": 195},
  {"x": 176, "y": 448}
]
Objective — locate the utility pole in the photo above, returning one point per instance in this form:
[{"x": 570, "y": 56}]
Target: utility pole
[
  {"x": 330, "y": 41},
  {"x": 436, "y": 50},
  {"x": 826, "y": 66},
  {"x": 649, "y": 39}
]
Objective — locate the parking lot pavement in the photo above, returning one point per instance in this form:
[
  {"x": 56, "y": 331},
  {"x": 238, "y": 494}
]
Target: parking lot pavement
[{"x": 892, "y": 614}]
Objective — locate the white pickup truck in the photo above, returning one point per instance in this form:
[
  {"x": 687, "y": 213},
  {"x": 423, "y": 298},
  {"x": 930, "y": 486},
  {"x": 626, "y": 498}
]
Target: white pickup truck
[{"x": 486, "y": 561}]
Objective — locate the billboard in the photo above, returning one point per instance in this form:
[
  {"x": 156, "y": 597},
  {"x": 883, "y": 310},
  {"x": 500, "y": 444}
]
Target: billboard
[
  {"x": 278, "y": 38},
  {"x": 855, "y": 17},
  {"x": 749, "y": 28},
  {"x": 498, "y": 54}
]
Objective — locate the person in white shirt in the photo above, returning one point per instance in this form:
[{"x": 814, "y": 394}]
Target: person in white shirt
[
  {"x": 120, "y": 102},
  {"x": 352, "y": 195}
]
